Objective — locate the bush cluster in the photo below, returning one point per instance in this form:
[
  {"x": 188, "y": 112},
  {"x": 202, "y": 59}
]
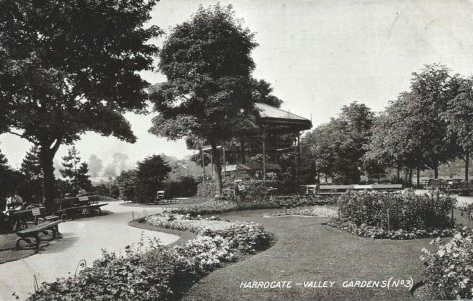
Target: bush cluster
[
  {"x": 205, "y": 190},
  {"x": 395, "y": 216},
  {"x": 392, "y": 211},
  {"x": 449, "y": 270},
  {"x": 157, "y": 272}
]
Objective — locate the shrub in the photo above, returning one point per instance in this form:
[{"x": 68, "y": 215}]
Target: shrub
[
  {"x": 206, "y": 190},
  {"x": 183, "y": 187},
  {"x": 450, "y": 268},
  {"x": 142, "y": 274}
]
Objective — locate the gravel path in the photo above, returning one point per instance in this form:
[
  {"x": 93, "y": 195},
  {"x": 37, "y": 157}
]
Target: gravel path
[{"x": 82, "y": 239}]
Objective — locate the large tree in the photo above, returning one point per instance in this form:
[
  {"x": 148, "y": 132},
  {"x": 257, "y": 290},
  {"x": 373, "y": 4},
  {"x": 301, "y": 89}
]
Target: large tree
[
  {"x": 208, "y": 66},
  {"x": 459, "y": 118},
  {"x": 336, "y": 148},
  {"x": 72, "y": 66},
  {"x": 412, "y": 132},
  {"x": 393, "y": 141},
  {"x": 431, "y": 91}
]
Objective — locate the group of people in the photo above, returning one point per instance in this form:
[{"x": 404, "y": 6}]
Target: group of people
[{"x": 15, "y": 202}]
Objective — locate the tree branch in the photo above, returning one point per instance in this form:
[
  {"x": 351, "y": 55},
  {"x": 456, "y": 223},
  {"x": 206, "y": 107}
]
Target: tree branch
[{"x": 21, "y": 136}]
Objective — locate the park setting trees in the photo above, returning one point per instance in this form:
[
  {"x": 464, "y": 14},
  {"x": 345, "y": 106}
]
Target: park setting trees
[
  {"x": 337, "y": 147},
  {"x": 68, "y": 68},
  {"x": 459, "y": 118},
  {"x": 209, "y": 88}
]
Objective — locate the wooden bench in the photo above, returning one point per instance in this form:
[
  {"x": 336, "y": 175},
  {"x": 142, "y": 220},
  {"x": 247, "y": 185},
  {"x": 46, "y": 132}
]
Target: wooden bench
[
  {"x": 33, "y": 232},
  {"x": 77, "y": 210},
  {"x": 333, "y": 189}
]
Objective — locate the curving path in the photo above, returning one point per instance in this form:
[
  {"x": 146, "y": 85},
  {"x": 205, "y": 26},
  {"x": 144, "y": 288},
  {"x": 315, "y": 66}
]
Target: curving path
[{"x": 82, "y": 239}]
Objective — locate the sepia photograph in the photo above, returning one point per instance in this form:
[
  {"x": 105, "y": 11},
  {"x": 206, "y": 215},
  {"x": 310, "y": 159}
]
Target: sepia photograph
[{"x": 214, "y": 150}]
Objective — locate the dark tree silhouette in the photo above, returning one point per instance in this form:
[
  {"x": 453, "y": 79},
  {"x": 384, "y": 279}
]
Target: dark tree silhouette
[{"x": 72, "y": 66}]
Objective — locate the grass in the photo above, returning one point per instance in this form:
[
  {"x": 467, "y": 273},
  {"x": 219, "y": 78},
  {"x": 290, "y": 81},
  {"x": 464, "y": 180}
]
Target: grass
[
  {"x": 306, "y": 250},
  {"x": 8, "y": 251}
]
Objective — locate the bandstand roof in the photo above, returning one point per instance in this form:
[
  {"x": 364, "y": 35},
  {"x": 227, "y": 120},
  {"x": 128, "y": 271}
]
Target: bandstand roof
[{"x": 274, "y": 117}]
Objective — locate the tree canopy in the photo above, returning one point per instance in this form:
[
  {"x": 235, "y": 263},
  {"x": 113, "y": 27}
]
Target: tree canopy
[
  {"x": 209, "y": 87},
  {"x": 337, "y": 147},
  {"x": 70, "y": 67},
  {"x": 150, "y": 175}
]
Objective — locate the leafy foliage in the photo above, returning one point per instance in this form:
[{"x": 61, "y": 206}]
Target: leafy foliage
[
  {"x": 127, "y": 182},
  {"x": 182, "y": 187},
  {"x": 397, "y": 216},
  {"x": 75, "y": 173},
  {"x": 156, "y": 272},
  {"x": 72, "y": 66},
  {"x": 411, "y": 132},
  {"x": 209, "y": 94},
  {"x": 337, "y": 147},
  {"x": 459, "y": 118},
  {"x": 449, "y": 268},
  {"x": 150, "y": 175}
]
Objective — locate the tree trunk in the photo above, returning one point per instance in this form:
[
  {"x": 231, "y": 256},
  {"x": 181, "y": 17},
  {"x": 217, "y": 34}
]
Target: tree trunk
[
  {"x": 47, "y": 151},
  {"x": 436, "y": 172},
  {"x": 242, "y": 151},
  {"x": 218, "y": 166},
  {"x": 410, "y": 177},
  {"x": 467, "y": 164},
  {"x": 418, "y": 177},
  {"x": 46, "y": 157}
]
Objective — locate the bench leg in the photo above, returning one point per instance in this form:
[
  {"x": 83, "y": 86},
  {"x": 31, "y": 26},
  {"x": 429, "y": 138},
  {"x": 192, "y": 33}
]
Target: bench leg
[
  {"x": 19, "y": 240},
  {"x": 37, "y": 241}
]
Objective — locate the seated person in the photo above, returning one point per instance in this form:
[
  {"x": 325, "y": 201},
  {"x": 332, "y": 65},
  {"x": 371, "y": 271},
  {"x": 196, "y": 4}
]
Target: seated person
[{"x": 15, "y": 202}]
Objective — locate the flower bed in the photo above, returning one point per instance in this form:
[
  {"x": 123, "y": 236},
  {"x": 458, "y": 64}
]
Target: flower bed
[
  {"x": 273, "y": 202},
  {"x": 157, "y": 272},
  {"x": 315, "y": 211},
  {"x": 395, "y": 216},
  {"x": 245, "y": 237},
  {"x": 374, "y": 232},
  {"x": 450, "y": 268}
]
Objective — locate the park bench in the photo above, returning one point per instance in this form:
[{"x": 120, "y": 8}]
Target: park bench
[
  {"x": 464, "y": 189},
  {"x": 228, "y": 196},
  {"x": 79, "y": 210},
  {"x": 34, "y": 233},
  {"x": 333, "y": 189},
  {"x": 165, "y": 201}
]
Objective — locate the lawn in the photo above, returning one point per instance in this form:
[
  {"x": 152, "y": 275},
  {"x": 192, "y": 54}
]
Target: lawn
[
  {"x": 306, "y": 250},
  {"x": 8, "y": 251}
]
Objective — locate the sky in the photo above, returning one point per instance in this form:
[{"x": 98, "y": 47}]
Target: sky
[{"x": 318, "y": 55}]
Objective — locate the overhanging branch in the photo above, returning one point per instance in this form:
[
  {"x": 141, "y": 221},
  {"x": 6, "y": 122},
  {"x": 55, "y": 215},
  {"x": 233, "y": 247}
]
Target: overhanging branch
[{"x": 21, "y": 136}]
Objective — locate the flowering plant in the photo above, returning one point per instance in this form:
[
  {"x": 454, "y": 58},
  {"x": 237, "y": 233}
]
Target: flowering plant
[{"x": 450, "y": 267}]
